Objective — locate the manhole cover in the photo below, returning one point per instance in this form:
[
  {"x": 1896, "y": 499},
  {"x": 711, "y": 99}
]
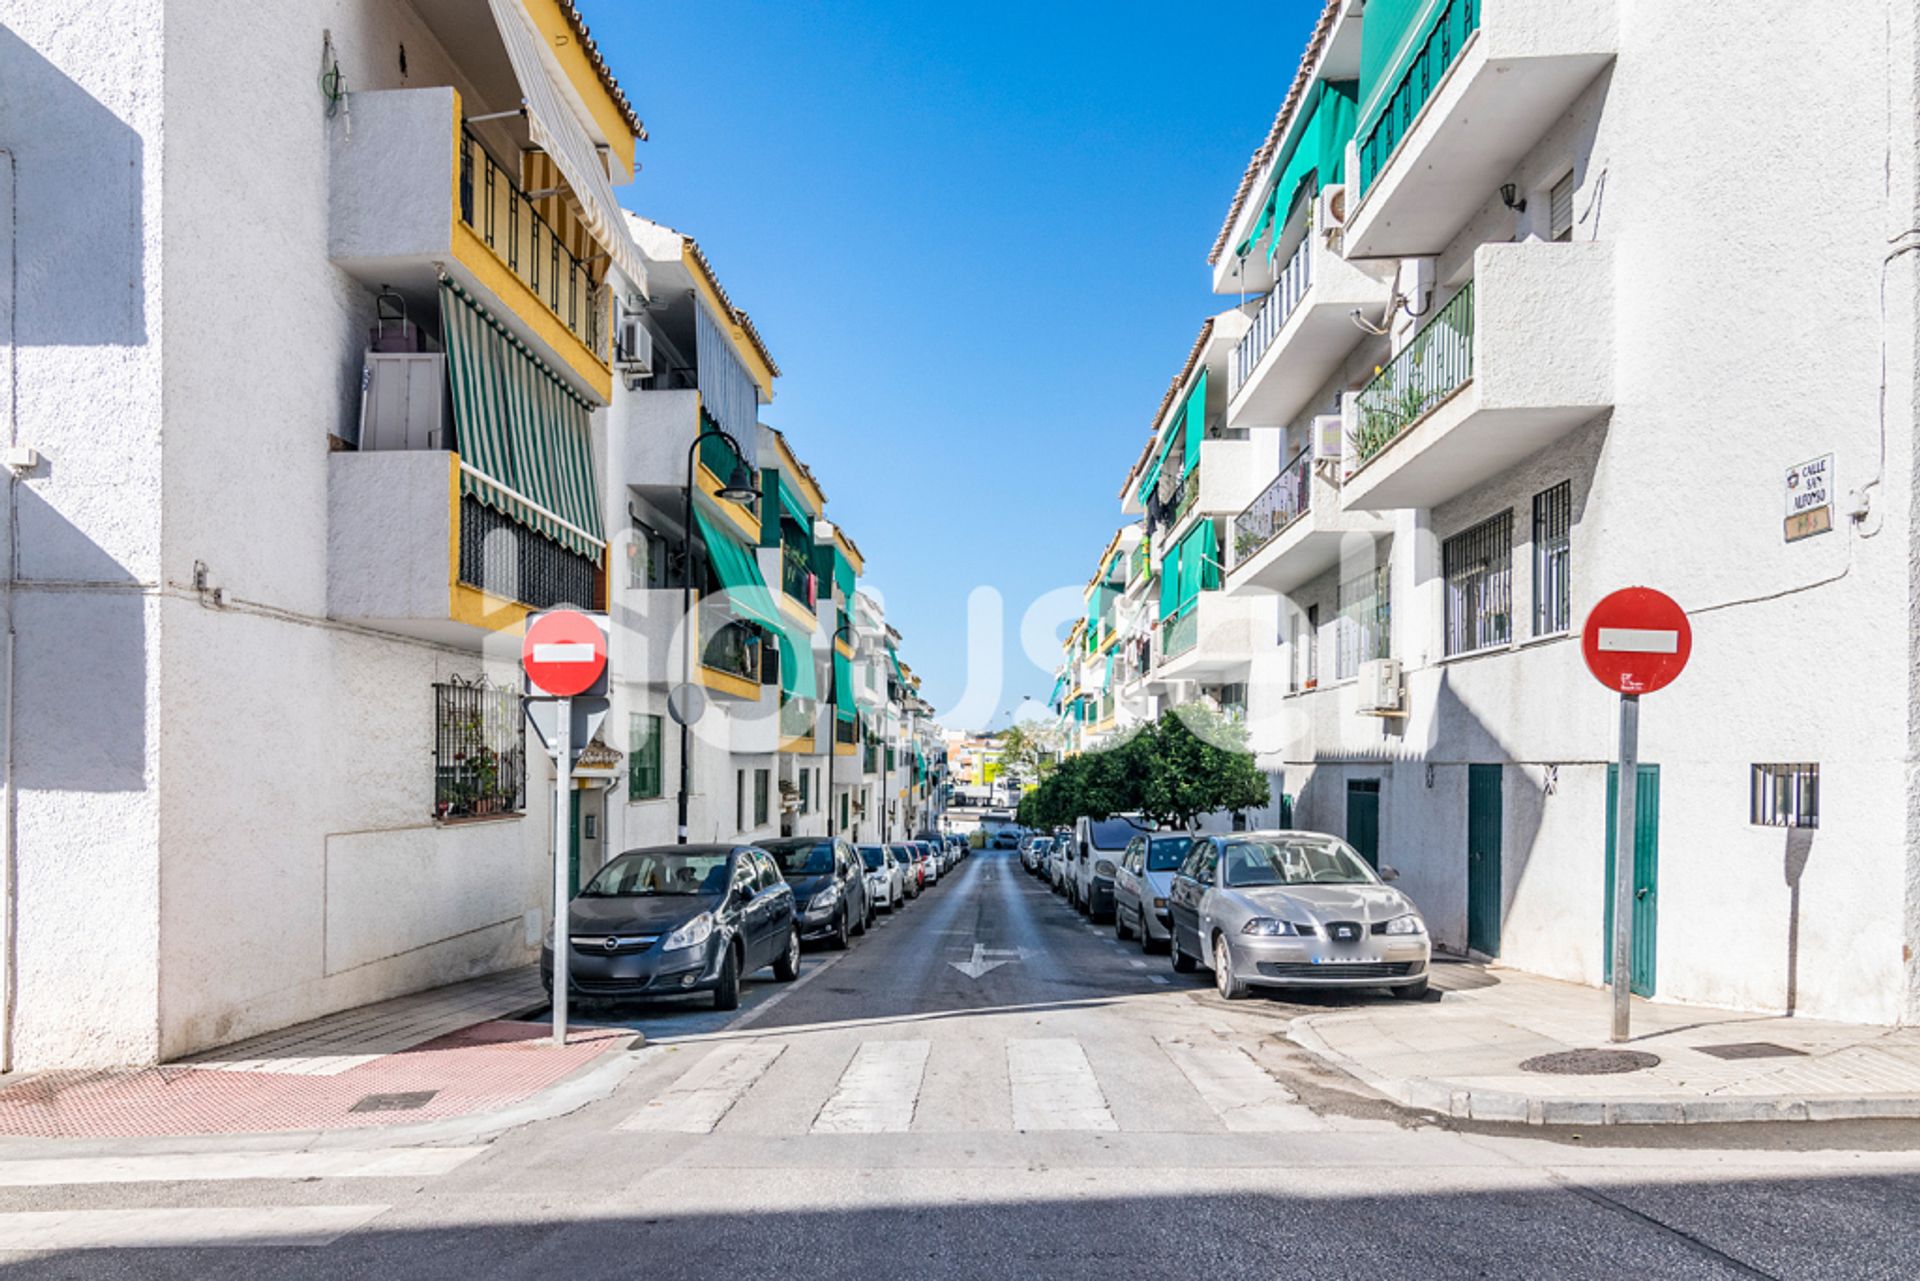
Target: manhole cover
[
  {"x": 1750, "y": 1050},
  {"x": 1591, "y": 1062},
  {"x": 393, "y": 1102}
]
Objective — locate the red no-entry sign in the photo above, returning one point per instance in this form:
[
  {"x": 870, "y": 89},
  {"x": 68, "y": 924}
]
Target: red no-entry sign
[
  {"x": 564, "y": 653},
  {"x": 1636, "y": 640}
]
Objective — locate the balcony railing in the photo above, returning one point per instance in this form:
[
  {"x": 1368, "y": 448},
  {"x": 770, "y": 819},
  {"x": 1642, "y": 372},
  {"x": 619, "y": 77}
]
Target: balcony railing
[
  {"x": 1181, "y": 632},
  {"x": 1427, "y": 370},
  {"x": 733, "y": 650},
  {"x": 796, "y": 575},
  {"x": 796, "y": 718},
  {"x": 1458, "y": 20},
  {"x": 504, "y": 558},
  {"x": 1278, "y": 506},
  {"x": 1183, "y": 497},
  {"x": 1294, "y": 281},
  {"x": 500, "y": 213}
]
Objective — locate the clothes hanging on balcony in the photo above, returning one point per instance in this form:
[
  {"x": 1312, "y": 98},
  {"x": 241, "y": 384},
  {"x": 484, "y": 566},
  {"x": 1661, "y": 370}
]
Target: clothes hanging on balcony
[{"x": 520, "y": 430}]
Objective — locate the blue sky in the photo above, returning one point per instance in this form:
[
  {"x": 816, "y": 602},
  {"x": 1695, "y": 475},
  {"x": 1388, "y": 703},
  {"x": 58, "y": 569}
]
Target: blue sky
[{"x": 975, "y": 238}]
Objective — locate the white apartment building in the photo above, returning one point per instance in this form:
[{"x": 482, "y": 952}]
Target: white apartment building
[
  {"x": 1538, "y": 301},
  {"x": 328, "y": 357}
]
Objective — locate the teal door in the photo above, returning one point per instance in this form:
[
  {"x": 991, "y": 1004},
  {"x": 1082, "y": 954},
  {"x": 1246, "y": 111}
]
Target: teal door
[
  {"x": 1483, "y": 859},
  {"x": 1363, "y": 819},
  {"x": 1646, "y": 875}
]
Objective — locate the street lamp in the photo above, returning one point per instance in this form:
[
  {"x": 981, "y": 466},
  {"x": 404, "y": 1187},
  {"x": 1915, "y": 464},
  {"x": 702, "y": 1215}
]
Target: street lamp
[
  {"x": 738, "y": 488},
  {"x": 833, "y": 712}
]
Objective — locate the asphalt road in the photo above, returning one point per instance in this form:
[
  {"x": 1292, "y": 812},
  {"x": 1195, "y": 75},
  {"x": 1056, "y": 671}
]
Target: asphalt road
[{"x": 988, "y": 1086}]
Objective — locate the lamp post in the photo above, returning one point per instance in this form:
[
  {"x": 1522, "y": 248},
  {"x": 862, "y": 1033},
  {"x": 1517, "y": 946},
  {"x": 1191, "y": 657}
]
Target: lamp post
[
  {"x": 739, "y": 488},
  {"x": 833, "y": 713}
]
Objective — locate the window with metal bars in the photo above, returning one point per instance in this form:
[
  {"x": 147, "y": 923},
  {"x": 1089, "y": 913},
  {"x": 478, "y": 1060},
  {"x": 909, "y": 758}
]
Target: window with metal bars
[
  {"x": 1785, "y": 796},
  {"x": 644, "y": 752},
  {"x": 504, "y": 558},
  {"x": 1552, "y": 544},
  {"x": 1478, "y": 567},
  {"x": 1361, "y": 633},
  {"x": 1560, "y": 209},
  {"x": 479, "y": 750}
]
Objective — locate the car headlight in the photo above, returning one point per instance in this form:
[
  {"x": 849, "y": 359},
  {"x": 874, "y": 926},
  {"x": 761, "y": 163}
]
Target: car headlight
[
  {"x": 692, "y": 934},
  {"x": 1103, "y": 867},
  {"x": 1159, "y": 902},
  {"x": 1269, "y": 927},
  {"x": 1408, "y": 924}
]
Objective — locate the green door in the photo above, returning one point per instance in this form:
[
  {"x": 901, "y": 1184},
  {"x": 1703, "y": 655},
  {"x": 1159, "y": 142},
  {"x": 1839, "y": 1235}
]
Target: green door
[
  {"x": 1646, "y": 875},
  {"x": 1483, "y": 859},
  {"x": 1363, "y": 819}
]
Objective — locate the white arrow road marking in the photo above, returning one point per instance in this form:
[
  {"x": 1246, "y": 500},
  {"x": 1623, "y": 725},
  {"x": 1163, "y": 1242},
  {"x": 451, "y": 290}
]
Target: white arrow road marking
[
  {"x": 564, "y": 652},
  {"x": 877, "y": 1092},
  {"x": 1638, "y": 640},
  {"x": 977, "y": 964},
  {"x": 695, "y": 1103},
  {"x": 277, "y": 1225},
  {"x": 1054, "y": 1087}
]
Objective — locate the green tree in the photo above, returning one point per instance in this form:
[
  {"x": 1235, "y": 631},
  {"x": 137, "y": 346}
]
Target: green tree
[{"x": 1201, "y": 765}]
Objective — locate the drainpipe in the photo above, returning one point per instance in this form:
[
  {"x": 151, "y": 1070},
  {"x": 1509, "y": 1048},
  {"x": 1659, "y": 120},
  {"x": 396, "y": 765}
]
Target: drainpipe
[{"x": 9, "y": 889}]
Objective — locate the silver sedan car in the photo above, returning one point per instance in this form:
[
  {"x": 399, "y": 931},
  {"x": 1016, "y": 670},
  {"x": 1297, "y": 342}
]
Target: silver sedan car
[{"x": 1293, "y": 909}]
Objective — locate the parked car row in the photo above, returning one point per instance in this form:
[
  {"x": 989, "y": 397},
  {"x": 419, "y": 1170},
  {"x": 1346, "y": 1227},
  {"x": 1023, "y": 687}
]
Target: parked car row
[
  {"x": 679, "y": 919},
  {"x": 1259, "y": 909}
]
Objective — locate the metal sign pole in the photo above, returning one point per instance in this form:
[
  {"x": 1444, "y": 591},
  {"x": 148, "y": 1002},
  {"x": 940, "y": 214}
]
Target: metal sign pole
[
  {"x": 562, "y": 797},
  {"x": 1624, "y": 822}
]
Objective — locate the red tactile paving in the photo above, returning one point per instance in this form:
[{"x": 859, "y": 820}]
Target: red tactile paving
[{"x": 477, "y": 1069}]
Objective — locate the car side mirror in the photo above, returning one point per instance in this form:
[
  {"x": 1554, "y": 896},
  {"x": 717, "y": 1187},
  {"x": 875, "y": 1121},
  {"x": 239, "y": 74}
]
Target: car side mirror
[
  {"x": 1388, "y": 873},
  {"x": 1204, "y": 878},
  {"x": 745, "y": 893}
]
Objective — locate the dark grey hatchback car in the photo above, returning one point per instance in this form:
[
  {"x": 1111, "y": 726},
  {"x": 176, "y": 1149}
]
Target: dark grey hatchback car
[{"x": 679, "y": 918}]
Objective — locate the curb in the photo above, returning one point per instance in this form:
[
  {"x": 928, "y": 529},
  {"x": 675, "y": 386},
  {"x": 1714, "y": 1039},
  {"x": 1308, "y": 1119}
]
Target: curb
[{"x": 1462, "y": 1102}]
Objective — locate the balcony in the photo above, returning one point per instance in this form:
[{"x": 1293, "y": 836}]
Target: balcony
[
  {"x": 1513, "y": 362},
  {"x": 1301, "y": 334},
  {"x": 1224, "y": 480},
  {"x": 647, "y": 443},
  {"x": 1485, "y": 86},
  {"x": 799, "y": 723},
  {"x": 1217, "y": 635},
  {"x": 408, "y": 553},
  {"x": 413, "y": 193},
  {"x": 1293, "y": 531}
]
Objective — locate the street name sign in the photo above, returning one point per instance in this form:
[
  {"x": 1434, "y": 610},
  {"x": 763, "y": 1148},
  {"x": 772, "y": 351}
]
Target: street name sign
[{"x": 1810, "y": 498}]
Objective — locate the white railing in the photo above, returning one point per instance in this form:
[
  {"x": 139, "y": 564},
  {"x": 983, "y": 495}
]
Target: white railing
[{"x": 1294, "y": 281}]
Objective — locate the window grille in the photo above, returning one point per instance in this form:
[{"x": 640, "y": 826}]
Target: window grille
[
  {"x": 644, "y": 751},
  {"x": 1552, "y": 542},
  {"x": 1785, "y": 796},
  {"x": 504, "y": 558},
  {"x": 1361, "y": 633},
  {"x": 1478, "y": 567},
  {"x": 1560, "y": 209},
  {"x": 479, "y": 750}
]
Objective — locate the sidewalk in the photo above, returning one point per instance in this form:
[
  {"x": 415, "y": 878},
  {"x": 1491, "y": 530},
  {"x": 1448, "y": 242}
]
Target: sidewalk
[
  {"x": 448, "y": 1053},
  {"x": 1462, "y": 1057}
]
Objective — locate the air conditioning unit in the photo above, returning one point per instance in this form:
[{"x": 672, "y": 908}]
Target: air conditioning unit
[
  {"x": 636, "y": 345},
  {"x": 1329, "y": 438},
  {"x": 1380, "y": 687},
  {"x": 1330, "y": 208}
]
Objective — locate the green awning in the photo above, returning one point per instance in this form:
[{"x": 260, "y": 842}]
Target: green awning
[
  {"x": 1199, "y": 567},
  {"x": 795, "y": 509},
  {"x": 842, "y": 687},
  {"x": 1170, "y": 581},
  {"x": 1316, "y": 148},
  {"x": 520, "y": 428},
  {"x": 1389, "y": 38},
  {"x": 1059, "y": 688},
  {"x": 893, "y": 657},
  {"x": 843, "y": 575},
  {"x": 1196, "y": 422},
  {"x": 747, "y": 593},
  {"x": 797, "y": 678}
]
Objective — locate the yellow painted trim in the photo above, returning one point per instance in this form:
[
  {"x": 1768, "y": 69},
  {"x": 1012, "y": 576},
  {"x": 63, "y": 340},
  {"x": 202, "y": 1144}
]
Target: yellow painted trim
[
  {"x": 743, "y": 347},
  {"x": 726, "y": 682},
  {"x": 845, "y": 749},
  {"x": 854, "y": 558},
  {"x": 491, "y": 270},
  {"x": 843, "y": 649},
  {"x": 736, "y": 512},
  {"x": 565, "y": 46},
  {"x": 796, "y": 472},
  {"x": 797, "y": 610},
  {"x": 799, "y": 746},
  {"x": 465, "y": 604}
]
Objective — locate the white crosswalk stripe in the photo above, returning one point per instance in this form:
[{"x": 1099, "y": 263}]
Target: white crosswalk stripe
[
  {"x": 878, "y": 1090},
  {"x": 377, "y": 1163},
  {"x": 1054, "y": 1088},
  {"x": 280, "y": 1225},
  {"x": 695, "y": 1103},
  {"x": 1239, "y": 1090}
]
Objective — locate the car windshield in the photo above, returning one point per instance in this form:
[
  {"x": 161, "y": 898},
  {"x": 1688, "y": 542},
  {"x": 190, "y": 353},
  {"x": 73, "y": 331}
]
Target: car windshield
[
  {"x": 1112, "y": 833},
  {"x": 1246, "y": 864},
  {"x": 1166, "y": 854},
  {"x": 1042, "y": 845},
  {"x": 903, "y": 853},
  {"x": 801, "y": 858},
  {"x": 873, "y": 856},
  {"x": 644, "y": 873}
]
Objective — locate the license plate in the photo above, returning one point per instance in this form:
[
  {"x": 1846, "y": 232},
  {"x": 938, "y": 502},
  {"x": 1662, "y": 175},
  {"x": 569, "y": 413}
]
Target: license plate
[{"x": 1343, "y": 960}]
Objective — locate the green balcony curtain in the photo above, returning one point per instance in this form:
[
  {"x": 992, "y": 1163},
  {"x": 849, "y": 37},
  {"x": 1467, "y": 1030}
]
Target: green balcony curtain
[
  {"x": 1199, "y": 571},
  {"x": 1196, "y": 422},
  {"x": 1316, "y": 148},
  {"x": 1170, "y": 581},
  {"x": 843, "y": 687},
  {"x": 797, "y": 678},
  {"x": 1390, "y": 36},
  {"x": 520, "y": 427},
  {"x": 1059, "y": 688},
  {"x": 893, "y": 657},
  {"x": 843, "y": 575}
]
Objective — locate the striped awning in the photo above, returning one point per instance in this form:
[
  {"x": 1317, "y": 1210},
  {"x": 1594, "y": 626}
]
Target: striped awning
[{"x": 521, "y": 432}]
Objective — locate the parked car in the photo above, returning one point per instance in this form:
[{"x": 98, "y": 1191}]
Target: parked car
[
  {"x": 958, "y": 844},
  {"x": 1294, "y": 909},
  {"x": 678, "y": 918},
  {"x": 928, "y": 859},
  {"x": 1034, "y": 857},
  {"x": 1141, "y": 885},
  {"x": 830, "y": 899},
  {"x": 886, "y": 879},
  {"x": 1097, "y": 847},
  {"x": 912, "y": 871},
  {"x": 1059, "y": 865}
]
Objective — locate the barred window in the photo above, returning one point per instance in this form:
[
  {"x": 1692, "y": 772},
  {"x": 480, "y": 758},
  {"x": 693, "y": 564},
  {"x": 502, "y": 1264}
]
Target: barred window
[
  {"x": 1552, "y": 541},
  {"x": 479, "y": 750},
  {"x": 1478, "y": 567},
  {"x": 1361, "y": 633},
  {"x": 1785, "y": 796},
  {"x": 644, "y": 751}
]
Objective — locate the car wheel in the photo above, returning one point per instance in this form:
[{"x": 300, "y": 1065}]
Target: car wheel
[
  {"x": 1411, "y": 991},
  {"x": 843, "y": 931},
  {"x": 787, "y": 967},
  {"x": 1120, "y": 930},
  {"x": 726, "y": 994},
  {"x": 866, "y": 918},
  {"x": 1232, "y": 987},
  {"x": 1182, "y": 963}
]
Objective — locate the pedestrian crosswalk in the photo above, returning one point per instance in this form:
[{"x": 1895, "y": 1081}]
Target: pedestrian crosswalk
[{"x": 1020, "y": 1083}]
